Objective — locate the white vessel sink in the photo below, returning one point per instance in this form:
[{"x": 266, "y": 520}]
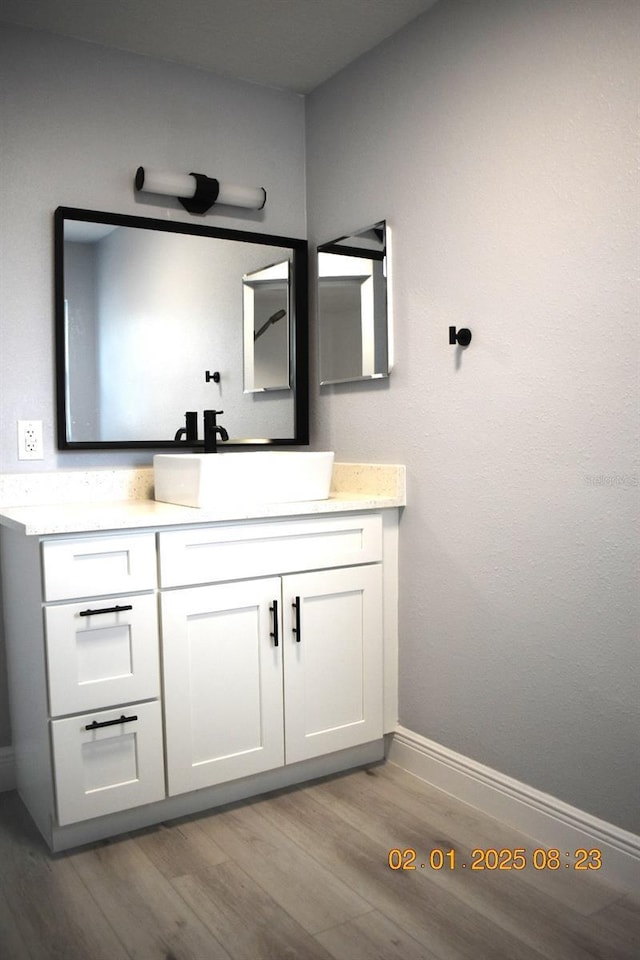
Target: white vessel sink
[{"x": 209, "y": 480}]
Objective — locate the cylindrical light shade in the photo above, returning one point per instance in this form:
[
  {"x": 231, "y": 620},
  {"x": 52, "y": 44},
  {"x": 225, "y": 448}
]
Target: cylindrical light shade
[
  {"x": 184, "y": 186},
  {"x": 166, "y": 183},
  {"x": 251, "y": 197}
]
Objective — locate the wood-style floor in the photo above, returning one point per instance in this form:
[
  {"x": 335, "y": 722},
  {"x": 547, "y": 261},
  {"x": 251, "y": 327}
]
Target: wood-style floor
[{"x": 304, "y": 873}]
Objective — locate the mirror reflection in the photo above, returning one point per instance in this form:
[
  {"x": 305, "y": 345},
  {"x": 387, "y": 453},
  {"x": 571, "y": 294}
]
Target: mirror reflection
[
  {"x": 266, "y": 328},
  {"x": 353, "y": 314},
  {"x": 147, "y": 311}
]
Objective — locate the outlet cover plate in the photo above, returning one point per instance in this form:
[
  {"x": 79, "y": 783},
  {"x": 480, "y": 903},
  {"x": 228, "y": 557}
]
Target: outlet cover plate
[{"x": 30, "y": 440}]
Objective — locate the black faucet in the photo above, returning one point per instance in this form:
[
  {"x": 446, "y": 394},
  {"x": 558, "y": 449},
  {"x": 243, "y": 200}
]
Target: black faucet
[{"x": 211, "y": 431}]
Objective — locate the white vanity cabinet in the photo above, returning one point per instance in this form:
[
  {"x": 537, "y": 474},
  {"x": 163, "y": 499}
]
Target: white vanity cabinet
[
  {"x": 172, "y": 667},
  {"x": 275, "y": 669}
]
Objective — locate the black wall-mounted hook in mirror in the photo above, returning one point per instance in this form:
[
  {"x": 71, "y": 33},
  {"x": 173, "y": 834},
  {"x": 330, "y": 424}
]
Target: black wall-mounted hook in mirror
[
  {"x": 208, "y": 376},
  {"x": 462, "y": 337}
]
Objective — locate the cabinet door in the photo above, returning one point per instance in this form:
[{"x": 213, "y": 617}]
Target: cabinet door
[
  {"x": 222, "y": 683},
  {"x": 332, "y": 660}
]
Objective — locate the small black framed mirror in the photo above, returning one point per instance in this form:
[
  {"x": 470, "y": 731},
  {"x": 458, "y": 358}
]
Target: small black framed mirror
[{"x": 150, "y": 322}]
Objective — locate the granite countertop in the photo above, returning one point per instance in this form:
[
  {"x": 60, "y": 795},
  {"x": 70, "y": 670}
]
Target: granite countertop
[{"x": 355, "y": 487}]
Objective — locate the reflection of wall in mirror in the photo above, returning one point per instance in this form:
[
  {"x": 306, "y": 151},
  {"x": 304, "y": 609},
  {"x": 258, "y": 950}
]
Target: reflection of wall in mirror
[
  {"x": 341, "y": 342},
  {"x": 352, "y": 310},
  {"x": 82, "y": 352},
  {"x": 271, "y": 349},
  {"x": 267, "y": 329}
]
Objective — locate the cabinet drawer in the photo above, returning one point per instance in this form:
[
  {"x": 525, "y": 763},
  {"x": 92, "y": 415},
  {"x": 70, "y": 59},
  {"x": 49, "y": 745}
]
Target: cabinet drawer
[
  {"x": 102, "y": 653},
  {"x": 234, "y": 551},
  {"x": 91, "y": 566},
  {"x": 110, "y": 766}
]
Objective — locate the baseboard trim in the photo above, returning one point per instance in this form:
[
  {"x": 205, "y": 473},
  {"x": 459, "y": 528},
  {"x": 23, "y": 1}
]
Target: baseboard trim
[
  {"x": 7, "y": 769},
  {"x": 541, "y": 816},
  {"x": 549, "y": 821}
]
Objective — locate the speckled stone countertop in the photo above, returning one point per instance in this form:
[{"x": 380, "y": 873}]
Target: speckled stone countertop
[{"x": 85, "y": 501}]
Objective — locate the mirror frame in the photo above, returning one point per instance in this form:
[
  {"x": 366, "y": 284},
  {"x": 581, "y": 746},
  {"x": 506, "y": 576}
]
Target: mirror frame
[{"x": 299, "y": 338}]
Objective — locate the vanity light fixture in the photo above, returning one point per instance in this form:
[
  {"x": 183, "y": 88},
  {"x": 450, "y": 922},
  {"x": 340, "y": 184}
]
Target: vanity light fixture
[{"x": 198, "y": 193}]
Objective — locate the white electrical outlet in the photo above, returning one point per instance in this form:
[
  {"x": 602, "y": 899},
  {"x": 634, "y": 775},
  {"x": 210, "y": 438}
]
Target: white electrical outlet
[{"x": 30, "y": 440}]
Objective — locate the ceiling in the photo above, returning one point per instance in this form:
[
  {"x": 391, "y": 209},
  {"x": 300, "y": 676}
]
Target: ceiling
[{"x": 291, "y": 44}]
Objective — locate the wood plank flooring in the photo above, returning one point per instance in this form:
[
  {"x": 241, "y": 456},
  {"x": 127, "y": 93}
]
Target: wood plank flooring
[{"x": 304, "y": 873}]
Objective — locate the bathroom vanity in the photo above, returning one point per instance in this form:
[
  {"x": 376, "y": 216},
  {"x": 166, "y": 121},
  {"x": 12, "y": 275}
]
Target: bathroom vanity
[{"x": 164, "y": 660}]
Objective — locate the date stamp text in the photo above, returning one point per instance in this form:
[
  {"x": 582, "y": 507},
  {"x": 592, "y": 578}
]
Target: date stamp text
[{"x": 492, "y": 858}]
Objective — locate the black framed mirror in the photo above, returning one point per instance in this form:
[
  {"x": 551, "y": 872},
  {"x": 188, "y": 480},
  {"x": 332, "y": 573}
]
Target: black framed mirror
[
  {"x": 150, "y": 323},
  {"x": 354, "y": 322}
]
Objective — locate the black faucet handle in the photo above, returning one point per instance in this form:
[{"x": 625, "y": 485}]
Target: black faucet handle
[
  {"x": 190, "y": 430},
  {"x": 191, "y": 420},
  {"x": 211, "y": 431}
]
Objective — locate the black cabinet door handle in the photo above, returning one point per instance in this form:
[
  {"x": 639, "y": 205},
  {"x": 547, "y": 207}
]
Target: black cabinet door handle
[
  {"x": 95, "y": 613},
  {"x": 274, "y": 634},
  {"x": 108, "y": 723},
  {"x": 296, "y": 629}
]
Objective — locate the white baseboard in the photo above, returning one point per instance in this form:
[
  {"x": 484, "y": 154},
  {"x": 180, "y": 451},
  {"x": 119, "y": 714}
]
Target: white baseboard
[
  {"x": 540, "y": 816},
  {"x": 544, "y": 818},
  {"x": 7, "y": 769}
]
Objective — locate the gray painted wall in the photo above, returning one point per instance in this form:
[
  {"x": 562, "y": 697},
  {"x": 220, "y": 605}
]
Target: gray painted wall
[
  {"x": 76, "y": 121},
  {"x": 498, "y": 140}
]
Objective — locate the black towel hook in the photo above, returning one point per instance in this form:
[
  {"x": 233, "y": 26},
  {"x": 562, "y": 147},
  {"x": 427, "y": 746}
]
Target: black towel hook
[{"x": 462, "y": 337}]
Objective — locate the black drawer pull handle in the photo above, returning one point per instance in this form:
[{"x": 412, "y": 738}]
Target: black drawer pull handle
[
  {"x": 296, "y": 629},
  {"x": 94, "y": 613},
  {"x": 274, "y": 611},
  {"x": 109, "y": 723}
]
